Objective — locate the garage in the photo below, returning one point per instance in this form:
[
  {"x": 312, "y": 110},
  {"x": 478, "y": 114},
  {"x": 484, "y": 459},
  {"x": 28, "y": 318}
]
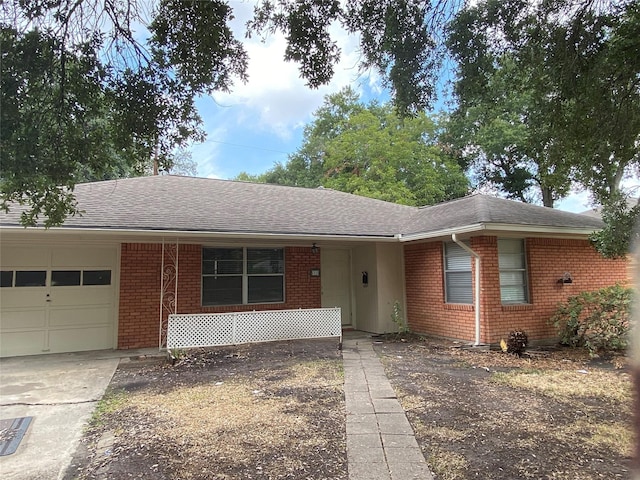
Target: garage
[{"x": 57, "y": 299}]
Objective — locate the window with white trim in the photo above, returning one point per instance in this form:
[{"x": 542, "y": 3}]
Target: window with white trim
[
  {"x": 513, "y": 271},
  {"x": 457, "y": 274},
  {"x": 240, "y": 276}
]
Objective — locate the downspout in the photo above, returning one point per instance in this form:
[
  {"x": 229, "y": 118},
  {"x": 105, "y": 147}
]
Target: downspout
[{"x": 477, "y": 284}]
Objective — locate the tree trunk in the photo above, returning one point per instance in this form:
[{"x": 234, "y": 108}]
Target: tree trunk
[{"x": 547, "y": 196}]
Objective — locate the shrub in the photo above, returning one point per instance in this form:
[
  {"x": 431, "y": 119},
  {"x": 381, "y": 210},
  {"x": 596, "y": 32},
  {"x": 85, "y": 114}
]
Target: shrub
[
  {"x": 398, "y": 318},
  {"x": 598, "y": 321},
  {"x": 517, "y": 342}
]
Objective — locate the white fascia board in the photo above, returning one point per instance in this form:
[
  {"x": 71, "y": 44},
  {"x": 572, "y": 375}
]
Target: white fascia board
[
  {"x": 537, "y": 230},
  {"x": 159, "y": 235},
  {"x": 447, "y": 232}
]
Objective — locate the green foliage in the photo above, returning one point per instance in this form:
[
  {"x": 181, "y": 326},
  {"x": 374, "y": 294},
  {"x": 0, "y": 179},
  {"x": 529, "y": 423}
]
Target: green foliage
[
  {"x": 548, "y": 94},
  {"x": 598, "y": 321},
  {"x": 369, "y": 151},
  {"x": 620, "y": 230},
  {"x": 401, "y": 41},
  {"x": 398, "y": 318},
  {"x": 85, "y": 96}
]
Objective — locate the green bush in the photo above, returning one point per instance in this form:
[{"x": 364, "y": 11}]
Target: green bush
[{"x": 598, "y": 321}]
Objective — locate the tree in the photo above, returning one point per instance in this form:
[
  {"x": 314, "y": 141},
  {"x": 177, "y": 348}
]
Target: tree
[
  {"x": 567, "y": 71},
  {"x": 116, "y": 100},
  {"x": 621, "y": 227},
  {"x": 498, "y": 136},
  {"x": 370, "y": 151}
]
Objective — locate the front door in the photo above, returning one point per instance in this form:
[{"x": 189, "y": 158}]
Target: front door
[{"x": 335, "y": 265}]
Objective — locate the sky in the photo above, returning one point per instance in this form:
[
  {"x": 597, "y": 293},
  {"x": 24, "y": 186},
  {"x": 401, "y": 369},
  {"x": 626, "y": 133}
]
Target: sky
[{"x": 261, "y": 122}]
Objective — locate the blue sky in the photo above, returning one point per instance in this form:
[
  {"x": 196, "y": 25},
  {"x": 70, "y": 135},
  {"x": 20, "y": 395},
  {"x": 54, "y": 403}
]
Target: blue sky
[{"x": 261, "y": 122}]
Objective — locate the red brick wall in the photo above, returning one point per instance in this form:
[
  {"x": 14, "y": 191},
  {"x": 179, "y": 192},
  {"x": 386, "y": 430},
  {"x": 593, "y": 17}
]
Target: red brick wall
[
  {"x": 140, "y": 289},
  {"x": 548, "y": 260},
  {"x": 140, "y": 266}
]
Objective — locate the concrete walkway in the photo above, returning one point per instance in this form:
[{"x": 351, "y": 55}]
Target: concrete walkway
[{"x": 381, "y": 444}]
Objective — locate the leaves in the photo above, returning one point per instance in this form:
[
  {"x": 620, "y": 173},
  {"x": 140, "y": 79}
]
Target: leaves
[
  {"x": 112, "y": 102},
  {"x": 598, "y": 321},
  {"x": 369, "y": 151},
  {"x": 620, "y": 231},
  {"x": 546, "y": 97}
]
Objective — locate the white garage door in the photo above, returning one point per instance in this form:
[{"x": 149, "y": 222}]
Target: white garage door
[{"x": 55, "y": 300}]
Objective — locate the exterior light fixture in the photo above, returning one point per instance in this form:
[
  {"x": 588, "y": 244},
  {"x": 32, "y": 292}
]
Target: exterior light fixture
[
  {"x": 566, "y": 278},
  {"x": 314, "y": 249}
]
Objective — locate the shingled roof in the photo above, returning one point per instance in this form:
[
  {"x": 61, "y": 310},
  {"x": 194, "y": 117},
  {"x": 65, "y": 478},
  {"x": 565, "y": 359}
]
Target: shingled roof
[
  {"x": 484, "y": 211},
  {"x": 188, "y": 204}
]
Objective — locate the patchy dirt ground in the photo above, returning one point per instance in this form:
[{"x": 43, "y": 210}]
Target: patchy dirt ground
[
  {"x": 267, "y": 411},
  {"x": 551, "y": 415},
  {"x": 276, "y": 411}
]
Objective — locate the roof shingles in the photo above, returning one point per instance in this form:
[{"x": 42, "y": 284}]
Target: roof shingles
[{"x": 172, "y": 203}]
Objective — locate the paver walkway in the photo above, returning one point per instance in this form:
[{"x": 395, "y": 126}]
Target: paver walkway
[{"x": 381, "y": 444}]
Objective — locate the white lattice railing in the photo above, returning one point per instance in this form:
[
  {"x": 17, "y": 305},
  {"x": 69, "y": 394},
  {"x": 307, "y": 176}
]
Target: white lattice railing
[{"x": 215, "y": 329}]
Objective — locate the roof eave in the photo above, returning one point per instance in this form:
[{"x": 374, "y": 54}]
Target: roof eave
[
  {"x": 198, "y": 234},
  {"x": 536, "y": 230}
]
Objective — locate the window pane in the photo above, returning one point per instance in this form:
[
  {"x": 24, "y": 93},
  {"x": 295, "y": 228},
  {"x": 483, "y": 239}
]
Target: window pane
[
  {"x": 31, "y": 278},
  {"x": 458, "y": 287},
  {"x": 221, "y": 290},
  {"x": 65, "y": 278},
  {"x": 510, "y": 246},
  {"x": 511, "y": 278},
  {"x": 511, "y": 261},
  {"x": 266, "y": 289},
  {"x": 265, "y": 260},
  {"x": 222, "y": 261},
  {"x": 513, "y": 273},
  {"x": 96, "y": 277},
  {"x": 513, "y": 294},
  {"x": 6, "y": 278},
  {"x": 456, "y": 258}
]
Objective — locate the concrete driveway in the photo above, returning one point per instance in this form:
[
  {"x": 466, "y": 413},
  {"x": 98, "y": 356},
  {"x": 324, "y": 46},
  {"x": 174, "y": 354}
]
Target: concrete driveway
[{"x": 60, "y": 392}]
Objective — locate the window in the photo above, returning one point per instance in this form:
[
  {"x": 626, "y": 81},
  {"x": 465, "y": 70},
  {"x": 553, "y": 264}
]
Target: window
[
  {"x": 6, "y": 278},
  {"x": 457, "y": 274},
  {"x": 237, "y": 276},
  {"x": 65, "y": 278},
  {"x": 513, "y": 271},
  {"x": 31, "y": 278},
  {"x": 96, "y": 277}
]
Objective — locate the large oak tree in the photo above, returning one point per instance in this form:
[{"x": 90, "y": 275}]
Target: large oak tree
[
  {"x": 368, "y": 150},
  {"x": 103, "y": 85}
]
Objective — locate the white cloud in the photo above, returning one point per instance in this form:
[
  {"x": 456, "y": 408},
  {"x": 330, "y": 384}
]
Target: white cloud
[
  {"x": 275, "y": 99},
  {"x": 267, "y": 113}
]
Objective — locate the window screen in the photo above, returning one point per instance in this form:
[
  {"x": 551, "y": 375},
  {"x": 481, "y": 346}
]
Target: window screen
[
  {"x": 513, "y": 271},
  {"x": 457, "y": 274}
]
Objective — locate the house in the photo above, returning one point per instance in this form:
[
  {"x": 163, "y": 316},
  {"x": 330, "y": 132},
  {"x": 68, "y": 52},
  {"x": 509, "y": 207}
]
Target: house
[{"x": 470, "y": 269}]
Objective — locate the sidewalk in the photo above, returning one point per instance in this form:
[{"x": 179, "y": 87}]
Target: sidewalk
[{"x": 380, "y": 441}]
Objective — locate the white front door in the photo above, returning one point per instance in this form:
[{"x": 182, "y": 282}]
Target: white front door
[{"x": 335, "y": 268}]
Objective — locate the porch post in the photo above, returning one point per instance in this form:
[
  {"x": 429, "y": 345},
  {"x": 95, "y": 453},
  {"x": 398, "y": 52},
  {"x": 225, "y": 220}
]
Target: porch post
[{"x": 168, "y": 287}]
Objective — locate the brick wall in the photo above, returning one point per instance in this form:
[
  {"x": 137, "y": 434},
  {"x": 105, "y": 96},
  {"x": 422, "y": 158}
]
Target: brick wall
[
  {"x": 140, "y": 289},
  {"x": 140, "y": 267},
  {"x": 547, "y": 259}
]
